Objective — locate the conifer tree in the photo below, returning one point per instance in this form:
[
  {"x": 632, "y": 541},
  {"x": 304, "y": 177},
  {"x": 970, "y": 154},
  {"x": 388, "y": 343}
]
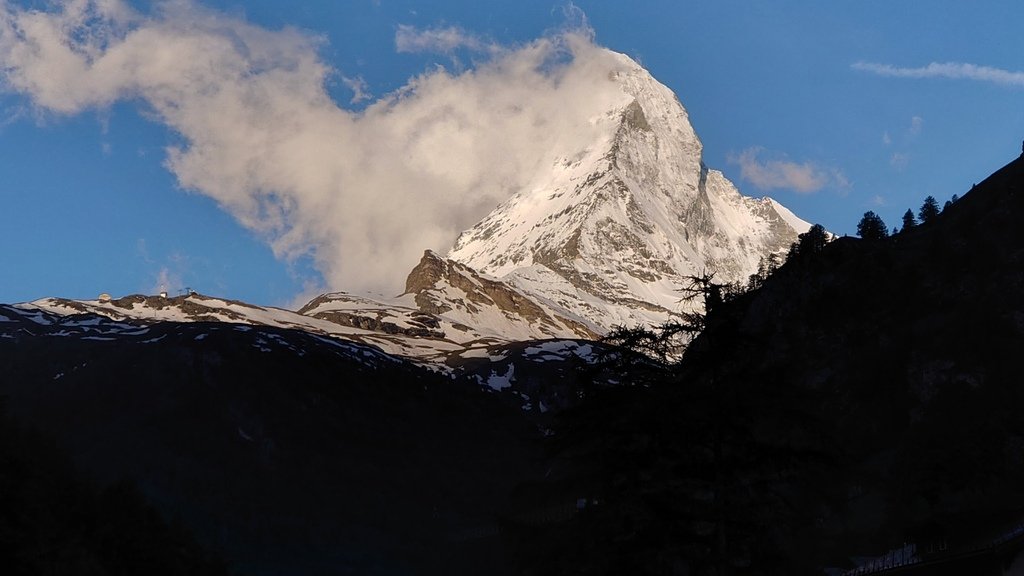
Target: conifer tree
[
  {"x": 950, "y": 202},
  {"x": 814, "y": 240},
  {"x": 871, "y": 227},
  {"x": 766, "y": 266},
  {"x": 929, "y": 210},
  {"x": 908, "y": 220}
]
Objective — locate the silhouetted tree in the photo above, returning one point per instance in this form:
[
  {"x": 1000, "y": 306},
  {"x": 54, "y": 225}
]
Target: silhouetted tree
[
  {"x": 814, "y": 240},
  {"x": 811, "y": 242},
  {"x": 766, "y": 266},
  {"x": 950, "y": 202},
  {"x": 871, "y": 227},
  {"x": 793, "y": 253},
  {"x": 644, "y": 355},
  {"x": 908, "y": 219},
  {"x": 929, "y": 210},
  {"x": 712, "y": 294}
]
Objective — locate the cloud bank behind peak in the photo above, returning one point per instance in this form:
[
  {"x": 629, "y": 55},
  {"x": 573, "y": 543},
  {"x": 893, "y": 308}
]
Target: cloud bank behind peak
[{"x": 363, "y": 193}]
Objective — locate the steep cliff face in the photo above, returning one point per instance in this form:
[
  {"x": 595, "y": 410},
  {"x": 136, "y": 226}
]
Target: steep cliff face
[{"x": 611, "y": 231}]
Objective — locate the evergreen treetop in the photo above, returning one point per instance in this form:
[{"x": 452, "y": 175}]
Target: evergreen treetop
[
  {"x": 908, "y": 219},
  {"x": 929, "y": 210},
  {"x": 871, "y": 227}
]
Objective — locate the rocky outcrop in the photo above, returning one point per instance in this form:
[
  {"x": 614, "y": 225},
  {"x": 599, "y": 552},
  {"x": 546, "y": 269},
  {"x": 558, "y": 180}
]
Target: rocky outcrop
[
  {"x": 441, "y": 286},
  {"x": 428, "y": 327}
]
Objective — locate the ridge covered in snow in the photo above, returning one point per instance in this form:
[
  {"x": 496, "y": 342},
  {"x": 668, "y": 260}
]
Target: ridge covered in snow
[
  {"x": 450, "y": 312},
  {"x": 391, "y": 328}
]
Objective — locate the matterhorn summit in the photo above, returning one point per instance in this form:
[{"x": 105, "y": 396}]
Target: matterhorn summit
[{"x": 610, "y": 232}]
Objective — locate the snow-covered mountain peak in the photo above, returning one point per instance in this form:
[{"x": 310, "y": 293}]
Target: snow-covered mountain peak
[
  {"x": 655, "y": 112},
  {"x": 610, "y": 231}
]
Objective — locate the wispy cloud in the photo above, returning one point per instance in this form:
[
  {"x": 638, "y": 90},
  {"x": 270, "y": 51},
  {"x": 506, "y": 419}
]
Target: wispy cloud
[
  {"x": 783, "y": 174},
  {"x": 916, "y": 125},
  {"x": 905, "y": 140},
  {"x": 951, "y": 70},
  {"x": 166, "y": 280},
  {"x": 441, "y": 40},
  {"x": 168, "y": 275},
  {"x": 360, "y": 90}
]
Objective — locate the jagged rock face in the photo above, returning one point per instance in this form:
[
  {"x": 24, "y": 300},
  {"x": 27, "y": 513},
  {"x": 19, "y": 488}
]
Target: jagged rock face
[{"x": 609, "y": 235}]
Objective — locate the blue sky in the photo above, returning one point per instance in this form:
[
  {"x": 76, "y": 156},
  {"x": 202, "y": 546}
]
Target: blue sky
[{"x": 833, "y": 108}]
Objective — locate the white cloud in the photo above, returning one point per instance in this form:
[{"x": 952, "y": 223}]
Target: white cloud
[
  {"x": 951, "y": 70},
  {"x": 782, "y": 174},
  {"x": 840, "y": 182},
  {"x": 142, "y": 250},
  {"x": 359, "y": 88},
  {"x": 916, "y": 125},
  {"x": 441, "y": 39},
  {"x": 166, "y": 280},
  {"x": 363, "y": 193},
  {"x": 576, "y": 20},
  {"x": 899, "y": 159},
  {"x": 169, "y": 277}
]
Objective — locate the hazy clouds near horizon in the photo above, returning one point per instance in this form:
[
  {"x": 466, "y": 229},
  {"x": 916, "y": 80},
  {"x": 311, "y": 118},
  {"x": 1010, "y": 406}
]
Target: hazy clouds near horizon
[{"x": 362, "y": 192}]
